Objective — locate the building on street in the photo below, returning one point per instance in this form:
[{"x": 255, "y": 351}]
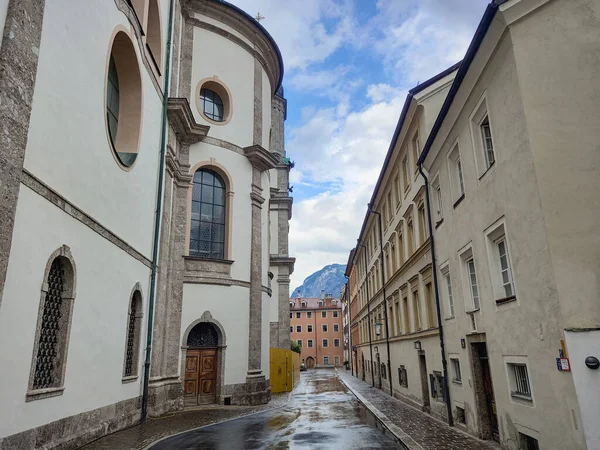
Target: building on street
[
  {"x": 508, "y": 150},
  {"x": 316, "y": 325},
  {"x": 144, "y": 217}
]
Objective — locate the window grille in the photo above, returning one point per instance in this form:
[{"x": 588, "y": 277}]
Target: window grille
[
  {"x": 521, "y": 380},
  {"x": 212, "y": 104},
  {"x": 207, "y": 233},
  {"x": 130, "y": 340},
  {"x": 46, "y": 362},
  {"x": 203, "y": 335}
]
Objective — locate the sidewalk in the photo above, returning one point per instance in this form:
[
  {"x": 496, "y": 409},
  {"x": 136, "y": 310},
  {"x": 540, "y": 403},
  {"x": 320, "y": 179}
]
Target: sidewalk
[
  {"x": 141, "y": 436},
  {"x": 416, "y": 429}
]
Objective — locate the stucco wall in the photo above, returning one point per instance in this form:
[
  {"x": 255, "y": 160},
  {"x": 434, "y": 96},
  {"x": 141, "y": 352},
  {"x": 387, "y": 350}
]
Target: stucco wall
[
  {"x": 68, "y": 146},
  {"x": 105, "y": 278},
  {"x": 217, "y": 55},
  {"x": 229, "y": 306},
  {"x": 531, "y": 326}
]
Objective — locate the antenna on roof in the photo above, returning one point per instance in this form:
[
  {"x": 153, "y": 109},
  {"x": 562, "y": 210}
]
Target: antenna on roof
[{"x": 259, "y": 17}]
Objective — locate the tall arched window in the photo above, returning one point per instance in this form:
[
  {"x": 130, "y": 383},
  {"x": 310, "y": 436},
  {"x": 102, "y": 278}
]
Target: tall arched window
[
  {"x": 134, "y": 328},
  {"x": 53, "y": 326},
  {"x": 207, "y": 231}
]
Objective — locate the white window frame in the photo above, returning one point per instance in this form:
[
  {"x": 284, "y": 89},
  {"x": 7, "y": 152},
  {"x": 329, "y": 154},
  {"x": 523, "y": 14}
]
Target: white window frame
[
  {"x": 325, "y": 343},
  {"x": 309, "y": 343},
  {"x": 456, "y": 370},
  {"x": 517, "y": 397},
  {"x": 466, "y": 256},
  {"x": 323, "y": 314},
  {"x": 335, "y": 313},
  {"x": 326, "y": 360},
  {"x": 324, "y": 328},
  {"x": 477, "y": 118},
  {"x": 309, "y": 328},
  {"x": 298, "y": 328},
  {"x": 496, "y": 234},
  {"x": 336, "y": 340},
  {"x": 437, "y": 201},
  {"x": 336, "y": 327},
  {"x": 447, "y": 290},
  {"x": 299, "y": 342},
  {"x": 309, "y": 314},
  {"x": 456, "y": 173},
  {"x": 298, "y": 315}
]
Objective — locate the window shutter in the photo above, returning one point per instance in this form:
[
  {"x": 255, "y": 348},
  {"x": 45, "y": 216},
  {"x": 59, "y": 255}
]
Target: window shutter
[{"x": 432, "y": 383}]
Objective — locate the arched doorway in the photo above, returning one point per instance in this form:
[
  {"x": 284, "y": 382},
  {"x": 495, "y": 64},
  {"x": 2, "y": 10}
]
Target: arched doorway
[
  {"x": 201, "y": 363},
  {"x": 310, "y": 362}
]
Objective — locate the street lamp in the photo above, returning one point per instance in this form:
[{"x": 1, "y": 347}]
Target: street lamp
[{"x": 377, "y": 328}]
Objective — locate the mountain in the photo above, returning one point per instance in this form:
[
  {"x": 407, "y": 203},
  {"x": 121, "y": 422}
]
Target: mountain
[{"x": 330, "y": 278}]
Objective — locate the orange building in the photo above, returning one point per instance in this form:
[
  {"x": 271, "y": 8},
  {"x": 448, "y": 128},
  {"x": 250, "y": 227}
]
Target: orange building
[{"x": 316, "y": 325}]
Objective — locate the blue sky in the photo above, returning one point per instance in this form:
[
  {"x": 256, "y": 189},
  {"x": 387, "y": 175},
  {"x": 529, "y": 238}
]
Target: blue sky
[{"x": 348, "y": 67}]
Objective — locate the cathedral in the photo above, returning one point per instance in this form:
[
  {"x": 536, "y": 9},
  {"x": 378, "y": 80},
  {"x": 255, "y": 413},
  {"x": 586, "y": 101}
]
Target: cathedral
[{"x": 144, "y": 210}]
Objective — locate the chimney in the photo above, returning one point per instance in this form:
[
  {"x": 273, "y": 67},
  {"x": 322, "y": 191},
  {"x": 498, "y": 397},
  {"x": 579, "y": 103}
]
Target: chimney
[
  {"x": 299, "y": 294},
  {"x": 322, "y": 294}
]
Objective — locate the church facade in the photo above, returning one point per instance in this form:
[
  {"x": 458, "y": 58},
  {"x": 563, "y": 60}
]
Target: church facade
[{"x": 144, "y": 202}]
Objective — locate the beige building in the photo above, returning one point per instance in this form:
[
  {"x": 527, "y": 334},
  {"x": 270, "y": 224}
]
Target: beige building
[
  {"x": 513, "y": 166},
  {"x": 412, "y": 370}
]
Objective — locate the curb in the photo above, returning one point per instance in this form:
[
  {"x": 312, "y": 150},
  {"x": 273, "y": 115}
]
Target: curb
[
  {"x": 147, "y": 447},
  {"x": 394, "y": 430}
]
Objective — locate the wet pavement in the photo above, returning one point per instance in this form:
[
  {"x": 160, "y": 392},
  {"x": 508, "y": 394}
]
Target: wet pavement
[{"x": 321, "y": 414}]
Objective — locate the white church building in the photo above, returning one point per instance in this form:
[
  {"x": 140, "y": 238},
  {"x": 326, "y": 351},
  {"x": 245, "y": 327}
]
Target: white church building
[{"x": 144, "y": 211}]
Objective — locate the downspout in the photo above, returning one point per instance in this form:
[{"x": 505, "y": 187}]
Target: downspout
[
  {"x": 385, "y": 307},
  {"x": 157, "y": 218},
  {"x": 368, "y": 312},
  {"x": 437, "y": 298}
]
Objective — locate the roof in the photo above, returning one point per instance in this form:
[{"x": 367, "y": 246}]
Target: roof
[
  {"x": 313, "y": 303},
  {"x": 264, "y": 31},
  {"x": 396, "y": 135},
  {"x": 480, "y": 33}
]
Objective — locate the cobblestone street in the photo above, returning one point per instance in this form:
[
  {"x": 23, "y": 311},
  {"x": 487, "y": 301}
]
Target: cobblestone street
[{"x": 415, "y": 428}]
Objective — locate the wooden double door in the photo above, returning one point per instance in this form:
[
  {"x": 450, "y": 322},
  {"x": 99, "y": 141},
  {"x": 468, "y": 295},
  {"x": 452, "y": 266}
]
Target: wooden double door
[{"x": 200, "y": 385}]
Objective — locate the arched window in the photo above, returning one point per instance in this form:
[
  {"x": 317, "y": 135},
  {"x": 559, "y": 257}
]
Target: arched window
[
  {"x": 53, "y": 326},
  {"x": 212, "y": 104},
  {"x": 203, "y": 335},
  {"x": 207, "y": 231},
  {"x": 134, "y": 328}
]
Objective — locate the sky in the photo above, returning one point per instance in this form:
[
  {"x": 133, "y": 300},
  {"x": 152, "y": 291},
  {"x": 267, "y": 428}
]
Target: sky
[{"x": 348, "y": 67}]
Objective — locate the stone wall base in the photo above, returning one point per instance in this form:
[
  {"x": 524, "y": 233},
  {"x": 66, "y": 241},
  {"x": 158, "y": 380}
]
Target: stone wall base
[
  {"x": 75, "y": 431},
  {"x": 255, "y": 391},
  {"x": 165, "y": 396}
]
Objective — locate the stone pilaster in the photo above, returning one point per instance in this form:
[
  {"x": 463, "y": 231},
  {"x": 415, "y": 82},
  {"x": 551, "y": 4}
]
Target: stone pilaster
[
  {"x": 255, "y": 316},
  {"x": 18, "y": 70},
  {"x": 258, "y": 103}
]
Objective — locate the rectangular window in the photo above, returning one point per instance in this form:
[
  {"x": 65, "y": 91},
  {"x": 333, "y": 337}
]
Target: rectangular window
[
  {"x": 460, "y": 176},
  {"x": 323, "y": 313},
  {"x": 337, "y": 360},
  {"x": 416, "y": 146},
  {"x": 456, "y": 375},
  {"x": 402, "y": 376},
  {"x": 390, "y": 207},
  {"x": 411, "y": 237},
  {"x": 405, "y": 174},
  {"x": 520, "y": 381},
  {"x": 449, "y": 291},
  {"x": 436, "y": 381},
  {"x": 325, "y": 359},
  {"x": 406, "y": 315},
  {"x": 423, "y": 224},
  {"x": 291, "y": 315},
  {"x": 291, "y": 329},
  {"x": 309, "y": 328},
  {"x": 336, "y": 342},
  {"x": 473, "y": 283},
  {"x": 325, "y": 343},
  {"x": 309, "y": 314},
  {"x": 336, "y": 327},
  {"x": 528, "y": 443},
  {"x": 298, "y": 315},
  {"x": 335, "y": 313},
  {"x": 300, "y": 342},
  {"x": 324, "y": 326},
  {"x": 416, "y": 318},
  {"x": 298, "y": 328},
  {"x": 460, "y": 415},
  {"x": 488, "y": 144},
  {"x": 309, "y": 343},
  {"x": 430, "y": 305},
  {"x": 437, "y": 200},
  {"x": 505, "y": 269},
  {"x": 398, "y": 190}
]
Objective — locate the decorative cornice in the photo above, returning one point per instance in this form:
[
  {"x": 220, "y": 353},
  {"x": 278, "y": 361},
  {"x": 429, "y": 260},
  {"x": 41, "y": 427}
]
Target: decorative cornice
[
  {"x": 187, "y": 130},
  {"x": 276, "y": 260},
  {"x": 257, "y": 198},
  {"x": 260, "y": 158}
]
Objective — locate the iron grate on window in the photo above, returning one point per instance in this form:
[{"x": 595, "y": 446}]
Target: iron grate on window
[
  {"x": 521, "y": 380},
  {"x": 48, "y": 342},
  {"x": 130, "y": 340}
]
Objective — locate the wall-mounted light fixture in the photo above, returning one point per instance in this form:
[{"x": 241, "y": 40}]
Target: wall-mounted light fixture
[
  {"x": 417, "y": 345},
  {"x": 377, "y": 328},
  {"x": 592, "y": 362}
]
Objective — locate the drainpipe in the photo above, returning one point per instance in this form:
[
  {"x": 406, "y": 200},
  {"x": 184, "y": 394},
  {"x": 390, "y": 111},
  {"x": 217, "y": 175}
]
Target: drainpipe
[
  {"x": 157, "y": 218},
  {"x": 385, "y": 312},
  {"x": 437, "y": 298},
  {"x": 368, "y": 311}
]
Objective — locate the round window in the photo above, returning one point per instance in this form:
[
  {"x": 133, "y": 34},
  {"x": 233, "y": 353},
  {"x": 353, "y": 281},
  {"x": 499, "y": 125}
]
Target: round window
[
  {"x": 213, "y": 101},
  {"x": 123, "y": 101}
]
